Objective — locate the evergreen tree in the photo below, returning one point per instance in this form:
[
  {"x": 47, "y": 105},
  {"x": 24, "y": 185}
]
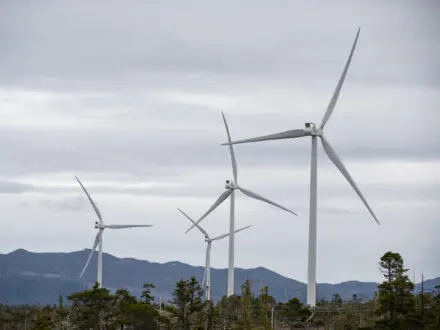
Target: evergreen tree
[
  {"x": 265, "y": 303},
  {"x": 146, "y": 294},
  {"x": 246, "y": 305},
  {"x": 337, "y": 300},
  {"x": 187, "y": 299},
  {"x": 91, "y": 308},
  {"x": 43, "y": 320},
  {"x": 124, "y": 303},
  {"x": 396, "y": 301}
]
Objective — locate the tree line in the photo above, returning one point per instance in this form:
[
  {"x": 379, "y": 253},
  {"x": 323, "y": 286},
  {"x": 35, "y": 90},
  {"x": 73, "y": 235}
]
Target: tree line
[{"x": 395, "y": 305}]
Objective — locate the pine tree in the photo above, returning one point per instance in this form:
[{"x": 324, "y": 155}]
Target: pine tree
[
  {"x": 147, "y": 297},
  {"x": 396, "y": 300},
  {"x": 187, "y": 299},
  {"x": 92, "y": 307},
  {"x": 265, "y": 303},
  {"x": 246, "y": 305}
]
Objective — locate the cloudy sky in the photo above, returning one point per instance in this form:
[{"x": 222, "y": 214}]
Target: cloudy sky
[{"x": 128, "y": 96}]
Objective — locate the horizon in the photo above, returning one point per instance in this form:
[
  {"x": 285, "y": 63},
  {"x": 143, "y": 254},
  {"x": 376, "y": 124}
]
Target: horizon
[{"x": 212, "y": 268}]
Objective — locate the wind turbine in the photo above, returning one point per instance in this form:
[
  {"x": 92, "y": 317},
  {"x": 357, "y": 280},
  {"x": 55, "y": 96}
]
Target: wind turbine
[
  {"x": 206, "y": 282},
  {"x": 100, "y": 225},
  {"x": 230, "y": 187},
  {"x": 312, "y": 130}
]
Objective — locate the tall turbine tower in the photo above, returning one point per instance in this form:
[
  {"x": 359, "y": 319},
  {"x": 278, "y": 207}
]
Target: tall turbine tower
[
  {"x": 100, "y": 225},
  {"x": 206, "y": 282},
  {"x": 317, "y": 132},
  {"x": 231, "y": 186}
]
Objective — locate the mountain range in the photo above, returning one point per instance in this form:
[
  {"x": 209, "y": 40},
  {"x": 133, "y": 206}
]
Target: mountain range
[{"x": 39, "y": 278}]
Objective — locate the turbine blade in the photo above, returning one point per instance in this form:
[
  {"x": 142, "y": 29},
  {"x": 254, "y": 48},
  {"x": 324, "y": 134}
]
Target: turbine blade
[
  {"x": 227, "y": 234},
  {"x": 231, "y": 150},
  {"x": 220, "y": 237},
  {"x": 277, "y": 136},
  {"x": 243, "y": 228},
  {"x": 335, "y": 95},
  {"x": 263, "y": 199},
  {"x": 213, "y": 207},
  {"x": 291, "y": 134},
  {"x": 194, "y": 223},
  {"x": 91, "y": 200},
  {"x": 126, "y": 226},
  {"x": 338, "y": 163},
  {"x": 95, "y": 244}
]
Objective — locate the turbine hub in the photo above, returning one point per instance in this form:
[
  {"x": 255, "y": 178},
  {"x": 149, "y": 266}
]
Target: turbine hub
[
  {"x": 230, "y": 185},
  {"x": 313, "y": 130},
  {"x": 98, "y": 225}
]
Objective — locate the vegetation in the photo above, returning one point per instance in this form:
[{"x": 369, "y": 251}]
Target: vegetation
[{"x": 394, "y": 306}]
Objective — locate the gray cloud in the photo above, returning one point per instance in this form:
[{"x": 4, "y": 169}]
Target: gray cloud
[
  {"x": 193, "y": 140},
  {"x": 279, "y": 39},
  {"x": 71, "y": 204},
  {"x": 7, "y": 187},
  {"x": 128, "y": 97}
]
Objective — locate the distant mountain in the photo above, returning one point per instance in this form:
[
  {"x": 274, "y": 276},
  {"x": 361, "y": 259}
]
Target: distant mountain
[{"x": 38, "y": 278}]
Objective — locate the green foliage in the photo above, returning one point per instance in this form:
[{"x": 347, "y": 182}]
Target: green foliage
[
  {"x": 187, "y": 300},
  {"x": 98, "y": 308},
  {"x": 91, "y": 308},
  {"x": 246, "y": 305},
  {"x": 396, "y": 300},
  {"x": 294, "y": 312},
  {"x": 146, "y": 294},
  {"x": 265, "y": 304},
  {"x": 337, "y": 300},
  {"x": 43, "y": 320},
  {"x": 60, "y": 301},
  {"x": 228, "y": 309}
]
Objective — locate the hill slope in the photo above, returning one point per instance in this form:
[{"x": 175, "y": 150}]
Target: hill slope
[{"x": 38, "y": 278}]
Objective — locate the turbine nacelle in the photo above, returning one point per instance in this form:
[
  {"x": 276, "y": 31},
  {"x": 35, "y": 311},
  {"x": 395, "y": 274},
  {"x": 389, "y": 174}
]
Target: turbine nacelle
[
  {"x": 230, "y": 185},
  {"x": 99, "y": 225},
  {"x": 313, "y": 130}
]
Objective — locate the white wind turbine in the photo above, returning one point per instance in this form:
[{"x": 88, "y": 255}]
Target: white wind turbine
[
  {"x": 231, "y": 186},
  {"x": 206, "y": 282},
  {"x": 100, "y": 225},
  {"x": 315, "y": 132}
]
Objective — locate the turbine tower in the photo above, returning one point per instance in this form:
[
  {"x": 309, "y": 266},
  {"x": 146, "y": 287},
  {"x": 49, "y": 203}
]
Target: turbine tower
[
  {"x": 231, "y": 187},
  {"x": 206, "y": 282},
  {"x": 100, "y": 225},
  {"x": 317, "y": 132}
]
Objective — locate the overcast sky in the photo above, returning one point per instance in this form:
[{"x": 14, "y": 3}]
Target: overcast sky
[{"x": 128, "y": 96}]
